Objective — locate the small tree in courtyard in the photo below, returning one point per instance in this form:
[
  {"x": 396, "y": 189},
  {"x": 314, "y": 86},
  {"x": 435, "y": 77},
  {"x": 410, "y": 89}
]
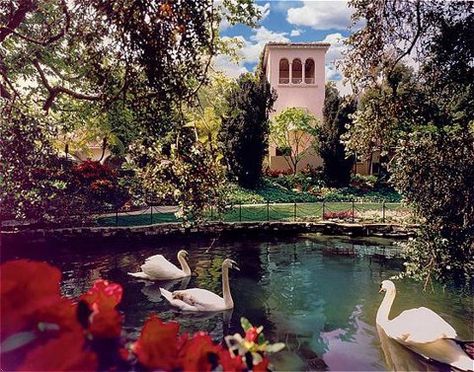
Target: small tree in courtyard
[
  {"x": 294, "y": 130},
  {"x": 244, "y": 132}
]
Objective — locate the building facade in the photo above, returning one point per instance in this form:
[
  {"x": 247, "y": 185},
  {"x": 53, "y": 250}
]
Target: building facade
[{"x": 297, "y": 72}]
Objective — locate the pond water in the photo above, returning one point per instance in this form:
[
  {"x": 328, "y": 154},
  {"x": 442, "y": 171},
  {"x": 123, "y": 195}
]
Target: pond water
[{"x": 319, "y": 295}]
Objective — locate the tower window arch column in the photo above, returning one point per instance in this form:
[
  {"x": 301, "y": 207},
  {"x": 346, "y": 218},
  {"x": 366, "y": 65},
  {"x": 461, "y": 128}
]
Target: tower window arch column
[
  {"x": 296, "y": 71},
  {"x": 284, "y": 71},
  {"x": 309, "y": 71}
]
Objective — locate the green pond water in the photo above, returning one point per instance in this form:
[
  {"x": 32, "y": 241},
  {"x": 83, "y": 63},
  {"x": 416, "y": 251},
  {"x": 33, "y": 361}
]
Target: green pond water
[{"x": 319, "y": 295}]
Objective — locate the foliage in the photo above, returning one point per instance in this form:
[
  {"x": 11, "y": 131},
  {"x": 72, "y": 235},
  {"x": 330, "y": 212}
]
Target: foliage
[
  {"x": 306, "y": 180},
  {"x": 400, "y": 31},
  {"x": 186, "y": 174},
  {"x": 434, "y": 170},
  {"x": 98, "y": 184},
  {"x": 207, "y": 116},
  {"x": 336, "y": 112},
  {"x": 421, "y": 119},
  {"x": 339, "y": 215},
  {"x": 294, "y": 129},
  {"x": 388, "y": 112},
  {"x": 268, "y": 191},
  {"x": 362, "y": 182},
  {"x": 115, "y": 71},
  {"x": 347, "y": 194},
  {"x": 252, "y": 347},
  {"x": 101, "y": 51},
  {"x": 244, "y": 133},
  {"x": 37, "y": 322},
  {"x": 33, "y": 180},
  {"x": 37, "y": 184}
]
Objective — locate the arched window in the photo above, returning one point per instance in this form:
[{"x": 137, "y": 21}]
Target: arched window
[
  {"x": 284, "y": 71},
  {"x": 309, "y": 71},
  {"x": 296, "y": 71}
]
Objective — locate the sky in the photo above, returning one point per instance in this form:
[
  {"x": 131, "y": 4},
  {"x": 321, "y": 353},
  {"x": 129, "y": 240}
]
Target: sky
[{"x": 291, "y": 21}]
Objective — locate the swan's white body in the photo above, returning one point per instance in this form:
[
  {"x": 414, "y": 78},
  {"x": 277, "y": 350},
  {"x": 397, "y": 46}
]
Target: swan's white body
[
  {"x": 197, "y": 299},
  {"x": 423, "y": 331},
  {"x": 159, "y": 268}
]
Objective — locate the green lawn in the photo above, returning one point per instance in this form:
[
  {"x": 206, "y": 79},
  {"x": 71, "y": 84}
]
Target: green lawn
[{"x": 270, "y": 212}]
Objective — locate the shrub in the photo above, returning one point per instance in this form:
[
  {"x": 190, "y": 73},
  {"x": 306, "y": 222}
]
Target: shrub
[
  {"x": 340, "y": 215},
  {"x": 243, "y": 135}
]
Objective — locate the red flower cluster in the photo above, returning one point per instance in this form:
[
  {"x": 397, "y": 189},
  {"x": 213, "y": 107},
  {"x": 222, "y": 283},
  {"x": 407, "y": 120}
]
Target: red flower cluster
[
  {"x": 41, "y": 330},
  {"x": 160, "y": 347},
  {"x": 341, "y": 215},
  {"x": 35, "y": 320},
  {"x": 278, "y": 172},
  {"x": 90, "y": 170}
]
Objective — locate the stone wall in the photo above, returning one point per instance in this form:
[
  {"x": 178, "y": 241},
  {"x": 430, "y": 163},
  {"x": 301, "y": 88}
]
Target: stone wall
[{"x": 141, "y": 233}]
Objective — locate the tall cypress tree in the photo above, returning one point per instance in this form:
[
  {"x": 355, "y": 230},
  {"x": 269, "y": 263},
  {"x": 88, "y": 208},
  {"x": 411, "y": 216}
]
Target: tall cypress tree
[
  {"x": 245, "y": 127},
  {"x": 337, "y": 167}
]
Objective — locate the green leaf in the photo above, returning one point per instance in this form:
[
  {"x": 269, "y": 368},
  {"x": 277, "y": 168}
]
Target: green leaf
[
  {"x": 274, "y": 348},
  {"x": 246, "y": 325}
]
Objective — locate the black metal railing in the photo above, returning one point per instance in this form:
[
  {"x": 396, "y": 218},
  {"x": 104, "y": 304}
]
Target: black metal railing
[{"x": 347, "y": 211}]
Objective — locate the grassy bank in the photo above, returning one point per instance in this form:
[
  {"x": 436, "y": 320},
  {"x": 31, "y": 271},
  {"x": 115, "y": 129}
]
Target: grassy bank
[{"x": 313, "y": 211}]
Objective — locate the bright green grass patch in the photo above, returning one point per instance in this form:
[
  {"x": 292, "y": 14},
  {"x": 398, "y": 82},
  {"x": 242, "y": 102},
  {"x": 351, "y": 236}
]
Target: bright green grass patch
[{"x": 272, "y": 212}]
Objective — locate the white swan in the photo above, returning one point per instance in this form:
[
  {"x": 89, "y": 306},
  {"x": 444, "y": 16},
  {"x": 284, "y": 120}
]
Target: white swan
[
  {"x": 423, "y": 331},
  {"x": 197, "y": 299},
  {"x": 159, "y": 268}
]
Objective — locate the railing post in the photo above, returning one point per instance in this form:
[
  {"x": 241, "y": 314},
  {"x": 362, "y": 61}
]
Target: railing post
[
  {"x": 151, "y": 214},
  {"x": 383, "y": 211},
  {"x": 324, "y": 208},
  {"x": 352, "y": 210},
  {"x": 240, "y": 212},
  {"x": 294, "y": 212},
  {"x": 212, "y": 214},
  {"x": 268, "y": 210}
]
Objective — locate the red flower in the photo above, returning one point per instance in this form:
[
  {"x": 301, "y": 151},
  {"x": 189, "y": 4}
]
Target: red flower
[
  {"x": 65, "y": 353},
  {"x": 196, "y": 353},
  {"x": 262, "y": 366},
  {"x": 105, "y": 321},
  {"x": 228, "y": 363},
  {"x": 103, "y": 294},
  {"x": 251, "y": 334},
  {"x": 156, "y": 348},
  {"x": 30, "y": 296}
]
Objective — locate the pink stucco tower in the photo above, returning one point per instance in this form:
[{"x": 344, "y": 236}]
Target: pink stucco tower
[{"x": 296, "y": 71}]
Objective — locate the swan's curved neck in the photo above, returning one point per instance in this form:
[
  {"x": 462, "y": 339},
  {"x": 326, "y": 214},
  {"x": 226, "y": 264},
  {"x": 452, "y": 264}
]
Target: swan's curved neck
[
  {"x": 229, "y": 303},
  {"x": 184, "y": 265},
  {"x": 385, "y": 306}
]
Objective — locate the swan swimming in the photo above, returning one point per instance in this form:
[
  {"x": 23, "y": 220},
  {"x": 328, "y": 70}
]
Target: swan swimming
[
  {"x": 159, "y": 268},
  {"x": 423, "y": 331},
  {"x": 197, "y": 299}
]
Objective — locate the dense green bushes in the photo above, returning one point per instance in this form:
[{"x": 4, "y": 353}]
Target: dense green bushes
[{"x": 272, "y": 190}]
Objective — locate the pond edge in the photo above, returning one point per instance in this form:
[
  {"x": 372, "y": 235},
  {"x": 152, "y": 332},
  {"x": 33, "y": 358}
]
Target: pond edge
[{"x": 147, "y": 232}]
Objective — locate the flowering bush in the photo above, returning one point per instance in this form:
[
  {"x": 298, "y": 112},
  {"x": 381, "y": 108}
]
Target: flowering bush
[
  {"x": 278, "y": 172},
  {"x": 96, "y": 181},
  {"x": 341, "y": 215},
  {"x": 41, "y": 330}
]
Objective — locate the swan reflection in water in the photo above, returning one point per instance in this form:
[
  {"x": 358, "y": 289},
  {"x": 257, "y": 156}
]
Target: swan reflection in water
[
  {"x": 152, "y": 289},
  {"x": 399, "y": 358}
]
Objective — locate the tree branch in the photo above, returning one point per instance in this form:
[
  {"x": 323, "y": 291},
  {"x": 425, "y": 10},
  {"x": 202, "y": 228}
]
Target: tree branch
[
  {"x": 16, "y": 18},
  {"x": 54, "y": 91},
  {"x": 415, "y": 39},
  {"x": 19, "y": 17}
]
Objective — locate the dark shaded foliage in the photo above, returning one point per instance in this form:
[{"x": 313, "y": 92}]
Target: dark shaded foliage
[{"x": 244, "y": 133}]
